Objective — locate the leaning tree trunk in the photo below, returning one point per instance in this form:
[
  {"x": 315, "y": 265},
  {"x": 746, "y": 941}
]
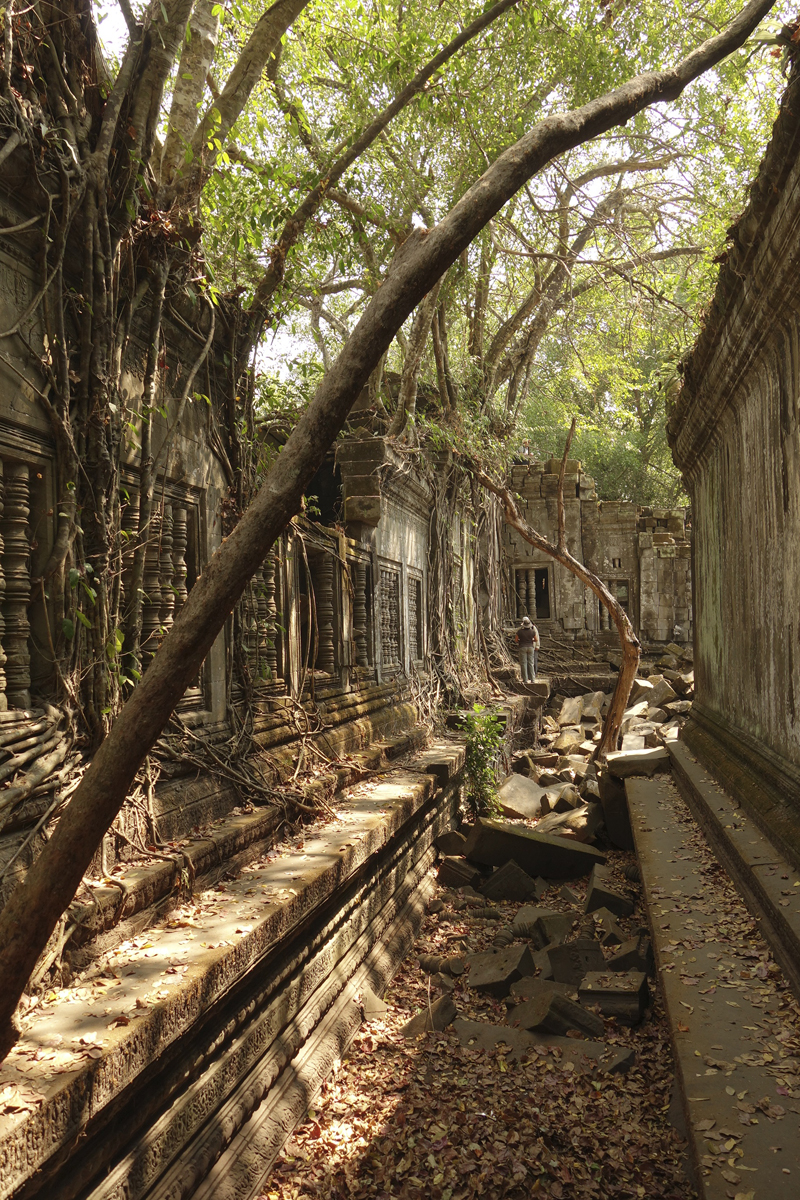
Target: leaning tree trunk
[
  {"x": 33, "y": 911},
  {"x": 631, "y": 648}
]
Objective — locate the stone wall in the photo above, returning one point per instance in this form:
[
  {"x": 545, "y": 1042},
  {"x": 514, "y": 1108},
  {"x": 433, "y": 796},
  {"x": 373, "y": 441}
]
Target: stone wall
[
  {"x": 642, "y": 554},
  {"x": 735, "y": 435}
]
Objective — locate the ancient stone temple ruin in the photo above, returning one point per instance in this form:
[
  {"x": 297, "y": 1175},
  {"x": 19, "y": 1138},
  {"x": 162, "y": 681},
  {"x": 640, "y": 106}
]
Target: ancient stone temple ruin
[
  {"x": 735, "y": 434},
  {"x": 642, "y": 554}
]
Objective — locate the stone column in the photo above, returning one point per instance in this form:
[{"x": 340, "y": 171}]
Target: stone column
[
  {"x": 151, "y": 585},
  {"x": 323, "y": 600},
  {"x": 180, "y": 541},
  {"x": 3, "y": 684},
  {"x": 360, "y": 614},
  {"x": 521, "y": 589},
  {"x": 530, "y": 577},
  {"x": 17, "y": 567},
  {"x": 166, "y": 564},
  {"x": 270, "y": 576}
]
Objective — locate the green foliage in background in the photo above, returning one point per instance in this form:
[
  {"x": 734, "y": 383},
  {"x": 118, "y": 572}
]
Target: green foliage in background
[{"x": 484, "y": 728}]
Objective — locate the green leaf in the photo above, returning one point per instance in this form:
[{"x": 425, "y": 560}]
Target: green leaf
[
  {"x": 84, "y": 620},
  {"x": 69, "y": 628}
]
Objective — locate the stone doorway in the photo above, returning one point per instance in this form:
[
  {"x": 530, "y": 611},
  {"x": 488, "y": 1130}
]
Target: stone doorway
[{"x": 542, "y": 577}]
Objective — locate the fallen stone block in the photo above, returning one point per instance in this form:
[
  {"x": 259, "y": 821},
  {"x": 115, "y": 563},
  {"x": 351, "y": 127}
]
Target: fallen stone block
[
  {"x": 520, "y": 797},
  {"x": 622, "y": 995},
  {"x": 572, "y": 961},
  {"x": 609, "y": 931},
  {"x": 533, "y": 986},
  {"x": 600, "y": 895},
  {"x": 493, "y": 843},
  {"x": 571, "y": 711},
  {"x": 438, "y": 1015},
  {"x": 553, "y": 929},
  {"x": 632, "y": 742},
  {"x": 569, "y": 894},
  {"x": 679, "y": 706},
  {"x": 494, "y": 971},
  {"x": 435, "y": 906},
  {"x": 541, "y": 961},
  {"x": 662, "y": 691},
  {"x": 451, "y": 843},
  {"x": 593, "y": 705},
  {"x": 567, "y": 799},
  {"x": 510, "y": 882},
  {"x": 657, "y": 715},
  {"x": 635, "y": 954},
  {"x": 555, "y": 1014},
  {"x": 582, "y": 823},
  {"x": 642, "y": 690},
  {"x": 445, "y": 983},
  {"x": 590, "y": 791},
  {"x": 524, "y": 923},
  {"x": 373, "y": 1008},
  {"x": 623, "y": 764},
  {"x": 569, "y": 739},
  {"x": 480, "y": 1035},
  {"x": 504, "y": 937},
  {"x": 457, "y": 873}
]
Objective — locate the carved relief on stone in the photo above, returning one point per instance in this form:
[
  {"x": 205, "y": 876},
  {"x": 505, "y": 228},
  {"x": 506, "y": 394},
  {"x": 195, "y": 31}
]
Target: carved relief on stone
[
  {"x": 415, "y": 640},
  {"x": 17, "y": 569},
  {"x": 323, "y": 577},
  {"x": 390, "y": 618}
]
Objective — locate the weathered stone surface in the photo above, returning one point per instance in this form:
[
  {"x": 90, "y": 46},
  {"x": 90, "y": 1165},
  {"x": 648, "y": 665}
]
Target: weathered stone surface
[
  {"x": 662, "y": 691},
  {"x": 555, "y": 1014},
  {"x": 657, "y": 715},
  {"x": 371, "y": 1005},
  {"x": 496, "y": 842},
  {"x": 483, "y": 1036},
  {"x": 495, "y": 971},
  {"x": 570, "y": 962},
  {"x": 438, "y": 1015},
  {"x": 520, "y": 797},
  {"x": 615, "y": 811},
  {"x": 533, "y": 986},
  {"x": 636, "y": 954},
  {"x": 552, "y": 929},
  {"x": 524, "y": 923},
  {"x": 624, "y": 764},
  {"x": 582, "y": 823},
  {"x": 569, "y": 894},
  {"x": 571, "y": 711},
  {"x": 569, "y": 739},
  {"x": 679, "y": 706},
  {"x": 451, "y": 843},
  {"x": 620, "y": 994},
  {"x": 600, "y": 895},
  {"x": 642, "y": 690},
  {"x": 457, "y": 873},
  {"x": 567, "y": 799},
  {"x": 610, "y": 932},
  {"x": 510, "y": 882}
]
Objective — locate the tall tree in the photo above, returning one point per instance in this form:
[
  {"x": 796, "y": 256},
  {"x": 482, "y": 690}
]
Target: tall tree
[{"x": 424, "y": 256}]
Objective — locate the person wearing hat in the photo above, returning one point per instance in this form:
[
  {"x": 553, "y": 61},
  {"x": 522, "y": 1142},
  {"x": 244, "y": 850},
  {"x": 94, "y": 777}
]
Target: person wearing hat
[{"x": 528, "y": 641}]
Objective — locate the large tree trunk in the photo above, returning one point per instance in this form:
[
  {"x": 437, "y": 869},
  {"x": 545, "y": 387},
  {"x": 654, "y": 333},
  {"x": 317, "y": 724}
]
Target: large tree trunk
[{"x": 34, "y": 909}]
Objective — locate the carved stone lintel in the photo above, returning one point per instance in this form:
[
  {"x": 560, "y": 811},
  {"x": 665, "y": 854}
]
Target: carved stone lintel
[
  {"x": 17, "y": 565},
  {"x": 360, "y": 614},
  {"x": 323, "y": 599}
]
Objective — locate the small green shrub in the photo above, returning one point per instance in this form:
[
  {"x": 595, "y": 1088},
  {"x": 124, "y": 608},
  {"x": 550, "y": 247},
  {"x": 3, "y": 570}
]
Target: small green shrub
[{"x": 484, "y": 729}]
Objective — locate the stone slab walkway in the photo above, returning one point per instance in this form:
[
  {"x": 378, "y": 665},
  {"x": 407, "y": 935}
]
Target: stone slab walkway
[{"x": 735, "y": 1023}]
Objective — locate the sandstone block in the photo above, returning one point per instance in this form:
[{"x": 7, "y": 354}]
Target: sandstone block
[
  {"x": 533, "y": 986},
  {"x": 609, "y": 931},
  {"x": 496, "y": 970},
  {"x": 451, "y": 843},
  {"x": 625, "y": 763},
  {"x": 555, "y": 1014},
  {"x": 571, "y": 711},
  {"x": 623, "y": 995},
  {"x": 572, "y": 961},
  {"x": 493, "y": 843},
  {"x": 510, "y": 882},
  {"x": 520, "y": 797},
  {"x": 438, "y": 1016},
  {"x": 636, "y": 954},
  {"x": 457, "y": 873},
  {"x": 524, "y": 923},
  {"x": 662, "y": 691},
  {"x": 600, "y": 895}
]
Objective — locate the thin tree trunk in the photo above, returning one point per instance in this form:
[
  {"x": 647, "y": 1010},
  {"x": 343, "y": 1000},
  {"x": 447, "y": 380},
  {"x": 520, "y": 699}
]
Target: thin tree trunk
[
  {"x": 34, "y": 909},
  {"x": 407, "y": 399}
]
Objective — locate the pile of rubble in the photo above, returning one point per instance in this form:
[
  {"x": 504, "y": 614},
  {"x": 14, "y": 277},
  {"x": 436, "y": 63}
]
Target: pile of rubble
[{"x": 568, "y": 976}]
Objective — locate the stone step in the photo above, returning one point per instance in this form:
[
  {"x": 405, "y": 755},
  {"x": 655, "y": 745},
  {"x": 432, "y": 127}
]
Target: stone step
[{"x": 735, "y": 1117}]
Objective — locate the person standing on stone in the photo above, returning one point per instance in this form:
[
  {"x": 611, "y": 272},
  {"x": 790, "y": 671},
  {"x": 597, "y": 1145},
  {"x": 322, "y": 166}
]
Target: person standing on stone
[{"x": 528, "y": 641}]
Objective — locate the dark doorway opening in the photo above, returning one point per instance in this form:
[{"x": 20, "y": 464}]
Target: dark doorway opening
[{"x": 542, "y": 594}]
